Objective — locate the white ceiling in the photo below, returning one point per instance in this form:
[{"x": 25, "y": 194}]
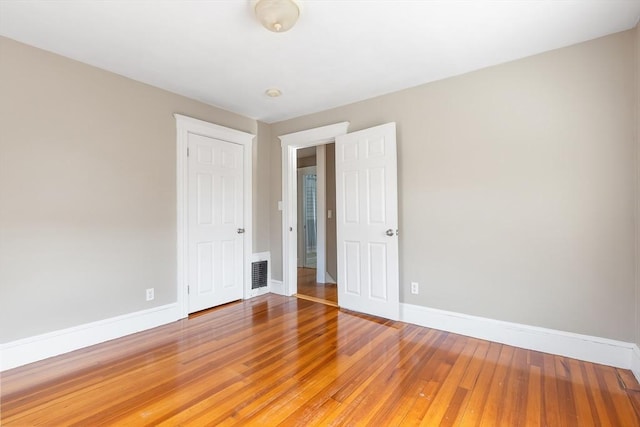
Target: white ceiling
[{"x": 340, "y": 51}]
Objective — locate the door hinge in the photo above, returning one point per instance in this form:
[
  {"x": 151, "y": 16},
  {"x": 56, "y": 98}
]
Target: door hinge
[
  {"x": 188, "y": 289},
  {"x": 187, "y": 151}
]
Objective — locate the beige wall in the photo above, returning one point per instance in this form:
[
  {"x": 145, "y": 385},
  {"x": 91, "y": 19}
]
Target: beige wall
[
  {"x": 261, "y": 188},
  {"x": 516, "y": 188},
  {"x": 304, "y": 162},
  {"x": 87, "y": 191}
]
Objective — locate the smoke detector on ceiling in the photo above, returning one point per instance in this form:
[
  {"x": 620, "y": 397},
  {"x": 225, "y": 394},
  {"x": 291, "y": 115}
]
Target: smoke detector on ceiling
[{"x": 273, "y": 92}]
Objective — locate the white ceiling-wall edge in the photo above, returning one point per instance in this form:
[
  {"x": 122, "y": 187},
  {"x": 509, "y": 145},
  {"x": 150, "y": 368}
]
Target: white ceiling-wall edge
[
  {"x": 165, "y": 88},
  {"x": 320, "y": 106},
  {"x": 330, "y": 106},
  {"x": 325, "y": 106},
  {"x": 216, "y": 53}
]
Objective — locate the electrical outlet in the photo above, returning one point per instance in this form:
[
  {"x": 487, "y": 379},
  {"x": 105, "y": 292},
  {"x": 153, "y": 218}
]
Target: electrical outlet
[
  {"x": 150, "y": 294},
  {"x": 414, "y": 288}
]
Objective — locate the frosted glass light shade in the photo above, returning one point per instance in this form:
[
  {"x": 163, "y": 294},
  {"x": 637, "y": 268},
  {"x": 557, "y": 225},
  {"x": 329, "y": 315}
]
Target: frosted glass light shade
[{"x": 277, "y": 15}]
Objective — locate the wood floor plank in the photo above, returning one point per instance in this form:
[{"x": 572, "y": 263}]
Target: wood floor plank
[
  {"x": 622, "y": 404},
  {"x": 517, "y": 388},
  {"x": 550, "y": 405},
  {"x": 450, "y": 387},
  {"x": 598, "y": 395},
  {"x": 479, "y": 390},
  {"x": 308, "y": 286},
  {"x": 276, "y": 360},
  {"x": 422, "y": 404},
  {"x": 496, "y": 399},
  {"x": 533, "y": 415},
  {"x": 583, "y": 405}
]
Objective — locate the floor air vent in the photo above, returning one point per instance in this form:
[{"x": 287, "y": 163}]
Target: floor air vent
[{"x": 258, "y": 274}]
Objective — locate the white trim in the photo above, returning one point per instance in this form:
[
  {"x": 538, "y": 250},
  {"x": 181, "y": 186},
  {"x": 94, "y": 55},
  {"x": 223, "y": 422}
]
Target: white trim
[
  {"x": 635, "y": 362},
  {"x": 184, "y": 126},
  {"x": 277, "y": 287},
  {"x": 583, "y": 347},
  {"x": 39, "y": 347},
  {"x": 262, "y": 256},
  {"x": 321, "y": 213},
  {"x": 290, "y": 143}
]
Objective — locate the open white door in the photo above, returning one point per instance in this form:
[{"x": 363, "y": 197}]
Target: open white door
[
  {"x": 216, "y": 218},
  {"x": 367, "y": 209}
]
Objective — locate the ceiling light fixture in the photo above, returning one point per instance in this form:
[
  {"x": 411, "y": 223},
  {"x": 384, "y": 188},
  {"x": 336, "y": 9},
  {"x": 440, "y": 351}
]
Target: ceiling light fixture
[
  {"x": 277, "y": 15},
  {"x": 273, "y": 92}
]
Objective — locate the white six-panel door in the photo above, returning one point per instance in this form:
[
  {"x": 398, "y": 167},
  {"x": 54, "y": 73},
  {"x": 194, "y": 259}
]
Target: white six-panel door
[
  {"x": 215, "y": 218},
  {"x": 367, "y": 208}
]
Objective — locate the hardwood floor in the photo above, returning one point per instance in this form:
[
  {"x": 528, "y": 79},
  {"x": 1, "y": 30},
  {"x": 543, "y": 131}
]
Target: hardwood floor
[
  {"x": 308, "y": 286},
  {"x": 284, "y": 361}
]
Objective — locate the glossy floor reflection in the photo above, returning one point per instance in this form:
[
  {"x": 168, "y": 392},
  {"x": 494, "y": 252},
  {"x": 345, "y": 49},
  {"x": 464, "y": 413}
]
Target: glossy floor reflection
[
  {"x": 276, "y": 360},
  {"x": 308, "y": 286}
]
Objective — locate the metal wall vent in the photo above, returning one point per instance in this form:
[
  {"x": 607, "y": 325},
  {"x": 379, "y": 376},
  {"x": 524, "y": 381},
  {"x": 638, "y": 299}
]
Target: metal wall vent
[{"x": 258, "y": 274}]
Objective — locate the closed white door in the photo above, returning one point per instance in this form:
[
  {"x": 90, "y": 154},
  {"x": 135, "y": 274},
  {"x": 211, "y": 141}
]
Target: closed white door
[
  {"x": 215, "y": 212},
  {"x": 367, "y": 208}
]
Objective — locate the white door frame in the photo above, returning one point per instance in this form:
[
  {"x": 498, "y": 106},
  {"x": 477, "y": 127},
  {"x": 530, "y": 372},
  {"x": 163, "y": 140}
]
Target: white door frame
[
  {"x": 290, "y": 143},
  {"x": 184, "y": 126}
]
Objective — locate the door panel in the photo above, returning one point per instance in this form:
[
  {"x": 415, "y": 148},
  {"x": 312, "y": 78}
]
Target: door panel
[
  {"x": 215, "y": 213},
  {"x": 352, "y": 268},
  {"x": 378, "y": 275},
  {"x": 367, "y": 207},
  {"x": 376, "y": 199}
]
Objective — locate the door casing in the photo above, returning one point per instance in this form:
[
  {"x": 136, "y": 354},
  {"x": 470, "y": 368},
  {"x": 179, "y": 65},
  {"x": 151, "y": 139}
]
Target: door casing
[
  {"x": 290, "y": 143},
  {"x": 184, "y": 126}
]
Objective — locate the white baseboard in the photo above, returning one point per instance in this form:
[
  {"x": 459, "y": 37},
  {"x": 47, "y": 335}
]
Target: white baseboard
[
  {"x": 583, "y": 347},
  {"x": 277, "y": 287},
  {"x": 635, "y": 362},
  {"x": 329, "y": 279},
  {"x": 39, "y": 347}
]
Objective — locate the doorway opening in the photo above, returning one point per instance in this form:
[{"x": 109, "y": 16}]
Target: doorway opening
[
  {"x": 315, "y": 138},
  {"x": 366, "y": 191},
  {"x": 316, "y": 237},
  {"x": 308, "y": 216}
]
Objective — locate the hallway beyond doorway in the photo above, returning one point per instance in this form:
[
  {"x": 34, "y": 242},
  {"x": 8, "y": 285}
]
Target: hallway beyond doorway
[{"x": 308, "y": 288}]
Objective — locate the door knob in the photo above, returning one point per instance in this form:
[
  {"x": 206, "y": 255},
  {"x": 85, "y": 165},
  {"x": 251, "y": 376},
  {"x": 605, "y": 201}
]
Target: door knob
[
  {"x": 390, "y": 233},
  {"x": 240, "y": 230}
]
